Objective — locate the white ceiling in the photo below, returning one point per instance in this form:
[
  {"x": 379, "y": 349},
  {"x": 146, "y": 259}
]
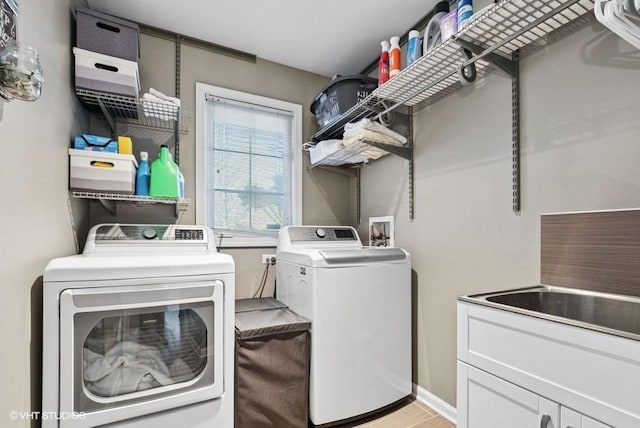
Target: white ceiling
[{"x": 327, "y": 37}]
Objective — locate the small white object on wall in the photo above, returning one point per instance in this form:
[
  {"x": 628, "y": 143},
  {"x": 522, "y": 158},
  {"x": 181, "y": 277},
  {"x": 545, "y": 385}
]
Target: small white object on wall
[{"x": 381, "y": 231}]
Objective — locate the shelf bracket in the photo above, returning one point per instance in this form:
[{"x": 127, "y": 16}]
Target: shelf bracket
[
  {"x": 107, "y": 116},
  {"x": 108, "y": 205},
  {"x": 515, "y": 130},
  {"x": 504, "y": 64},
  {"x": 403, "y": 152},
  {"x": 181, "y": 206},
  {"x": 411, "y": 171}
]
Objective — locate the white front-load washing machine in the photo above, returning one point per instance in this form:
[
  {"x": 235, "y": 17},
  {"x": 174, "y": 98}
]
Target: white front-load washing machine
[
  {"x": 138, "y": 331},
  {"x": 359, "y": 302}
]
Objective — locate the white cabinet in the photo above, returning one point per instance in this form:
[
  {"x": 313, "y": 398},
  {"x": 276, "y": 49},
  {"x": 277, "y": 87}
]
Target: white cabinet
[
  {"x": 520, "y": 371},
  {"x": 486, "y": 401}
]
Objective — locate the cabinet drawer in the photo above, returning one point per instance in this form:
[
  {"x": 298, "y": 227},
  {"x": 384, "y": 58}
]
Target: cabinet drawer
[{"x": 591, "y": 372}]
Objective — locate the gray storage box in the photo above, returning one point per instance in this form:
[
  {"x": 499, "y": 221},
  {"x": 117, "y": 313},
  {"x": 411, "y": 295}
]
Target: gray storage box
[
  {"x": 272, "y": 365},
  {"x": 106, "y": 34}
]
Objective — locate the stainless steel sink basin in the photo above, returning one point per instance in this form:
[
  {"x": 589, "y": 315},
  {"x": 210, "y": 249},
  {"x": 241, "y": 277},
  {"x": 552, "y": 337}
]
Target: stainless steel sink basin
[{"x": 610, "y": 313}]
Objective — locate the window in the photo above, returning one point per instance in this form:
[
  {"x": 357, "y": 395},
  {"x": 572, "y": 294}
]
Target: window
[{"x": 248, "y": 165}]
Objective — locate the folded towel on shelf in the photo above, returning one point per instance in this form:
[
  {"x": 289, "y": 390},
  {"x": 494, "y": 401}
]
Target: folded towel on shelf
[
  {"x": 365, "y": 134},
  {"x": 164, "y": 97},
  {"x": 154, "y": 106},
  {"x": 323, "y": 149},
  {"x": 352, "y": 129}
]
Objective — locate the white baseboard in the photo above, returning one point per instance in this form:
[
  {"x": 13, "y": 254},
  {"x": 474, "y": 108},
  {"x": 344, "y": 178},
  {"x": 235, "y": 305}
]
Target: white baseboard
[{"x": 436, "y": 403}]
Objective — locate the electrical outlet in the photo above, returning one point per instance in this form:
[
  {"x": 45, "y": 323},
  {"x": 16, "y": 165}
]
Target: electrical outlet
[{"x": 268, "y": 259}]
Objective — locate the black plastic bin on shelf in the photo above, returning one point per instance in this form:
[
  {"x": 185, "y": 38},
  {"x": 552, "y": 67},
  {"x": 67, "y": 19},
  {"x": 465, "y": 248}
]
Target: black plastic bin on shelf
[
  {"x": 340, "y": 95},
  {"x": 272, "y": 365}
]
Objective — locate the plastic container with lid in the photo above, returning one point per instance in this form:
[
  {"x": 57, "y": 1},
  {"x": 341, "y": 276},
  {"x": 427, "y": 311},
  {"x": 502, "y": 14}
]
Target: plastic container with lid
[
  {"x": 340, "y": 95},
  {"x": 395, "y": 59},
  {"x": 20, "y": 72},
  {"x": 164, "y": 175}
]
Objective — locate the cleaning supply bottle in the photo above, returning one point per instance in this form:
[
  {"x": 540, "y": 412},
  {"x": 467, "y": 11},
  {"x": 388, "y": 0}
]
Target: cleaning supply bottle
[
  {"x": 432, "y": 36},
  {"x": 143, "y": 175},
  {"x": 164, "y": 175},
  {"x": 394, "y": 57},
  {"x": 465, "y": 11},
  {"x": 383, "y": 64},
  {"x": 414, "y": 50},
  {"x": 180, "y": 184}
]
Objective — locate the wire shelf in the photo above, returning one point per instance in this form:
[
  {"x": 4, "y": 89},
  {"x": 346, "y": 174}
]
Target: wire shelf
[
  {"x": 523, "y": 26},
  {"x": 137, "y": 112},
  {"x": 181, "y": 203}
]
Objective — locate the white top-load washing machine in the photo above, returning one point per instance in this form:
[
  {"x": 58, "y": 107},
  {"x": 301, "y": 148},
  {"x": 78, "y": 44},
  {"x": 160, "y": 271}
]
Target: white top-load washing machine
[
  {"x": 359, "y": 302},
  {"x": 138, "y": 331}
]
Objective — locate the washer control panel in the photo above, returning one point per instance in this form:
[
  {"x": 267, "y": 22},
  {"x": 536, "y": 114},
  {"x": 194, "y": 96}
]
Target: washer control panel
[
  {"x": 149, "y": 232},
  {"x": 324, "y": 233}
]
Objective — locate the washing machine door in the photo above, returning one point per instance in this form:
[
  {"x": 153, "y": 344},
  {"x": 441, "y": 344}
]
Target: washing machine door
[{"x": 139, "y": 349}]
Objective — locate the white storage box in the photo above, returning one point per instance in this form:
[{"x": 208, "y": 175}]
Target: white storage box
[
  {"x": 104, "y": 73},
  {"x": 104, "y": 172}
]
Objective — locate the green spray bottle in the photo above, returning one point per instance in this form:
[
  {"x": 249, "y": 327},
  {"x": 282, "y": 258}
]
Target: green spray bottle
[{"x": 164, "y": 175}]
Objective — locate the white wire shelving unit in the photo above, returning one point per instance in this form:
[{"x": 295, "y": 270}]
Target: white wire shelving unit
[
  {"x": 496, "y": 39},
  {"x": 108, "y": 200},
  {"x": 136, "y": 111},
  {"x": 138, "y": 118}
]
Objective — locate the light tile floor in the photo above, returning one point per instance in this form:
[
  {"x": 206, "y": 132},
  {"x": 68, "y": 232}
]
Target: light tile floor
[{"x": 408, "y": 414}]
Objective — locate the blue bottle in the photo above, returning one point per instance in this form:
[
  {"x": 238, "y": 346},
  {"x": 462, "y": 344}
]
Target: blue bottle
[
  {"x": 465, "y": 10},
  {"x": 414, "y": 47},
  {"x": 143, "y": 175}
]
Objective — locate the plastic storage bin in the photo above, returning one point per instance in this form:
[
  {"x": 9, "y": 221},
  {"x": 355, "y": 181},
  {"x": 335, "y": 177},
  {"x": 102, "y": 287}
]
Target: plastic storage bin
[
  {"x": 104, "y": 172},
  {"x": 106, "y": 34},
  {"x": 340, "y": 95},
  {"x": 105, "y": 73},
  {"x": 272, "y": 365}
]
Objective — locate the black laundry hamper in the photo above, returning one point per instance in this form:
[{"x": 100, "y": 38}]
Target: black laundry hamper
[{"x": 272, "y": 365}]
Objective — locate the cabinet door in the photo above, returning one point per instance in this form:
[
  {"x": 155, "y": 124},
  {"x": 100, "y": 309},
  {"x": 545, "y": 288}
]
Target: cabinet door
[
  {"x": 572, "y": 419},
  {"x": 487, "y": 401}
]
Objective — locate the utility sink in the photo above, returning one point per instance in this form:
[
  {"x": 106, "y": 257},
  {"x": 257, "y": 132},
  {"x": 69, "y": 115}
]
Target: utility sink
[{"x": 610, "y": 313}]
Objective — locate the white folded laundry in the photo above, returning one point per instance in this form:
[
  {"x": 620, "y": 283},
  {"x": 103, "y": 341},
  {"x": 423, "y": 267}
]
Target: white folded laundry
[
  {"x": 365, "y": 134},
  {"x": 164, "y": 97},
  {"x": 159, "y": 108},
  {"x": 351, "y": 129},
  {"x": 323, "y": 149}
]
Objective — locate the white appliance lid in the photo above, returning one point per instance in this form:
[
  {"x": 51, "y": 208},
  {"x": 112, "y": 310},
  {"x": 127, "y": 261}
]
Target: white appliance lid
[{"x": 101, "y": 267}]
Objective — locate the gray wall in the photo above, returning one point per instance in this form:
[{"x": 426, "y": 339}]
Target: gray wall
[
  {"x": 326, "y": 196},
  {"x": 580, "y": 110},
  {"x": 37, "y": 218}
]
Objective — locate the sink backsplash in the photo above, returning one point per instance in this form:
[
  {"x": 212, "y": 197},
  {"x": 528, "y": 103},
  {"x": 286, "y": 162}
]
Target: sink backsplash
[{"x": 597, "y": 250}]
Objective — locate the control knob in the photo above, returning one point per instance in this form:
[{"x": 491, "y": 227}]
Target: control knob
[
  {"x": 149, "y": 233},
  {"x": 320, "y": 233}
]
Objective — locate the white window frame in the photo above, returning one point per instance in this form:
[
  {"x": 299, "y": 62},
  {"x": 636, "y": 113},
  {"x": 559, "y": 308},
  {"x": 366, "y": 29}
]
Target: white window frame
[{"x": 245, "y": 239}]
